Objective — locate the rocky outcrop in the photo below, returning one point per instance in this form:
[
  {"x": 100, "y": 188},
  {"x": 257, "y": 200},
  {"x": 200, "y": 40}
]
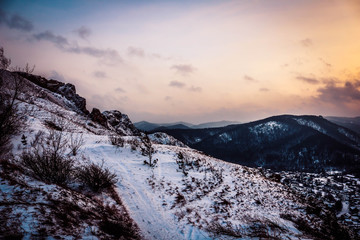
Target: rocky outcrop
[
  {"x": 98, "y": 117},
  {"x": 66, "y": 90},
  {"x": 120, "y": 123},
  {"x": 165, "y": 139}
]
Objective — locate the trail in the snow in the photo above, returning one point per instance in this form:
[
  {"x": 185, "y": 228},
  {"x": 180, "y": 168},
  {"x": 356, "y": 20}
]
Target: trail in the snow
[{"x": 133, "y": 191}]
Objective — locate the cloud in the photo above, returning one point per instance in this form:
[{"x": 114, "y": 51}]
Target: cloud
[
  {"x": 59, "y": 41},
  {"x": 138, "y": 52},
  {"x": 325, "y": 63},
  {"x": 142, "y": 89},
  {"x": 156, "y": 55},
  {"x": 183, "y": 69},
  {"x": 120, "y": 90},
  {"x": 100, "y": 74},
  {"x": 167, "y": 98},
  {"x": 83, "y": 32},
  {"x": 109, "y": 56},
  {"x": 264, "y": 89},
  {"x": 308, "y": 80},
  {"x": 195, "y": 89},
  {"x": 346, "y": 93},
  {"x": 176, "y": 84},
  {"x": 56, "y": 76},
  {"x": 160, "y": 57},
  {"x": 108, "y": 101},
  {"x": 307, "y": 42},
  {"x": 249, "y": 79},
  {"x": 16, "y": 22}
]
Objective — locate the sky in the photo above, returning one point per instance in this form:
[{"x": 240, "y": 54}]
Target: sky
[{"x": 194, "y": 61}]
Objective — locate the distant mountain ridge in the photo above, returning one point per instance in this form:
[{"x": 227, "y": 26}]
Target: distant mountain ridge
[
  {"x": 285, "y": 142},
  {"x": 351, "y": 123},
  {"x": 152, "y": 127}
]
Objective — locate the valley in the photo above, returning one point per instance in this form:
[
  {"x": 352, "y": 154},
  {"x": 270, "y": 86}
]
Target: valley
[{"x": 164, "y": 188}]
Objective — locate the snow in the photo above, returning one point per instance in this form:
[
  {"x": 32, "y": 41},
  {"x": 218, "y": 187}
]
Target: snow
[
  {"x": 267, "y": 128},
  {"x": 310, "y": 124},
  {"x": 347, "y": 134},
  {"x": 147, "y": 192},
  {"x": 225, "y": 137},
  {"x": 181, "y": 197},
  {"x": 344, "y": 210},
  {"x": 165, "y": 139}
]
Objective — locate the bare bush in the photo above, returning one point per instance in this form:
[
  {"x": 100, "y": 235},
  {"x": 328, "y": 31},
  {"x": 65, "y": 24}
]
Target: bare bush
[
  {"x": 47, "y": 160},
  {"x": 226, "y": 229},
  {"x": 26, "y": 69},
  {"x": 116, "y": 141},
  {"x": 11, "y": 120},
  {"x": 96, "y": 177},
  {"x": 75, "y": 143}
]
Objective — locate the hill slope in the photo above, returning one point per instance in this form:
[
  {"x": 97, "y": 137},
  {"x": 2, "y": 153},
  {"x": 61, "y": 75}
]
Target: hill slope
[
  {"x": 282, "y": 143},
  {"x": 350, "y": 123},
  {"x": 186, "y": 195}
]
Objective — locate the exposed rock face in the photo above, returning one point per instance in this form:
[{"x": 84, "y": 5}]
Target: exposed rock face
[
  {"x": 67, "y": 90},
  {"x": 98, "y": 117},
  {"x": 120, "y": 123}
]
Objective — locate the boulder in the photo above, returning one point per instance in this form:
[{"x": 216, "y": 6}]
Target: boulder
[{"x": 98, "y": 117}]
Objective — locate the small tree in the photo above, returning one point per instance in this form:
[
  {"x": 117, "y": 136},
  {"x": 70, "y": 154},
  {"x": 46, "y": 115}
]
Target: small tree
[
  {"x": 4, "y": 62},
  {"x": 11, "y": 120},
  {"x": 148, "y": 150}
]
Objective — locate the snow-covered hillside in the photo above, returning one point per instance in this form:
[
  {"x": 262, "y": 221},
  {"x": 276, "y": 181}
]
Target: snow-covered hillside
[{"x": 186, "y": 195}]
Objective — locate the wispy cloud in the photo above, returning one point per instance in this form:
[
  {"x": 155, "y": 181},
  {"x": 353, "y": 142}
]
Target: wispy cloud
[
  {"x": 83, "y": 32},
  {"x": 264, "y": 89},
  {"x": 328, "y": 65},
  {"x": 307, "y": 42},
  {"x": 177, "y": 84},
  {"x": 120, "y": 90},
  {"x": 108, "y": 55},
  {"x": 249, "y": 79},
  {"x": 309, "y": 80},
  {"x": 59, "y": 41},
  {"x": 184, "y": 69},
  {"x": 100, "y": 74},
  {"x": 16, "y": 22},
  {"x": 138, "y": 52},
  {"x": 195, "y": 89}
]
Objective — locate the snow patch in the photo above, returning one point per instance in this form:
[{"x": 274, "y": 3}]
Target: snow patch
[{"x": 310, "y": 124}]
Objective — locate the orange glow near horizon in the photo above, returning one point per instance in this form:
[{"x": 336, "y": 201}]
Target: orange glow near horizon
[{"x": 196, "y": 61}]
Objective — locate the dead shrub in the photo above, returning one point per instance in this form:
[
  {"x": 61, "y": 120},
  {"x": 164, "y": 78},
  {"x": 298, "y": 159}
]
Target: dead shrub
[
  {"x": 75, "y": 143},
  {"x": 46, "y": 159},
  {"x": 116, "y": 141},
  {"x": 96, "y": 177}
]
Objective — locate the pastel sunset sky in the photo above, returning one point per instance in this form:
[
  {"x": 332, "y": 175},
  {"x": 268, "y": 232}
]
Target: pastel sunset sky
[{"x": 195, "y": 61}]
